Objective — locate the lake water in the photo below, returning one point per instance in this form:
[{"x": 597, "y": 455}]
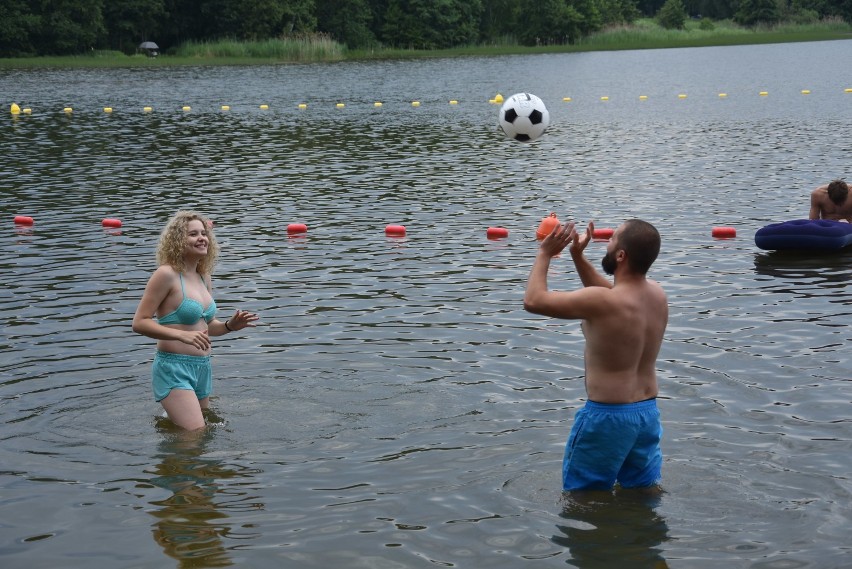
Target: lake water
[{"x": 397, "y": 408}]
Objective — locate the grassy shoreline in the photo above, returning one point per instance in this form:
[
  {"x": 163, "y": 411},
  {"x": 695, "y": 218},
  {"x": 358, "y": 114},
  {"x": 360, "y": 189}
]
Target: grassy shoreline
[{"x": 644, "y": 34}]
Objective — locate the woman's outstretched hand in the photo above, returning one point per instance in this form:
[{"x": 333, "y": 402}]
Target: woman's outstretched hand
[{"x": 242, "y": 319}]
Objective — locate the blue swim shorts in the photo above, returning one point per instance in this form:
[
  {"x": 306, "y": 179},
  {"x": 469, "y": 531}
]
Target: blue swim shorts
[
  {"x": 612, "y": 443},
  {"x": 179, "y": 371}
]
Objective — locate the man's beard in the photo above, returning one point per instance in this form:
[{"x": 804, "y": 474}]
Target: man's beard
[{"x": 609, "y": 264}]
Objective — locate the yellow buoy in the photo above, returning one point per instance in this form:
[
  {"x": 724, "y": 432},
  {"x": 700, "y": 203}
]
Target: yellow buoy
[
  {"x": 377, "y": 104},
  {"x": 847, "y": 90},
  {"x": 454, "y": 102},
  {"x": 186, "y": 108},
  {"x": 28, "y": 111},
  {"x": 264, "y": 107},
  {"x": 492, "y": 101},
  {"x": 643, "y": 97},
  {"x": 107, "y": 110},
  {"x": 764, "y": 93},
  {"x": 303, "y": 106},
  {"x": 340, "y": 105},
  {"x": 682, "y": 96},
  {"x": 604, "y": 98},
  {"x": 806, "y": 91},
  {"x": 68, "y": 110},
  {"x": 147, "y": 109},
  {"x": 566, "y": 99},
  {"x": 226, "y": 108},
  {"x": 498, "y": 98},
  {"x": 15, "y": 109},
  {"x": 415, "y": 103},
  {"x": 723, "y": 95}
]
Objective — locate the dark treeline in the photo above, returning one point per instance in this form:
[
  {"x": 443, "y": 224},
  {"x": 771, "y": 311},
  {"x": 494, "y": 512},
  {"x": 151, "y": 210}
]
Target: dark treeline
[{"x": 63, "y": 27}]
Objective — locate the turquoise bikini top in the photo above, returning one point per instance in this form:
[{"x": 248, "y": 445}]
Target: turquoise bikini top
[{"x": 189, "y": 311}]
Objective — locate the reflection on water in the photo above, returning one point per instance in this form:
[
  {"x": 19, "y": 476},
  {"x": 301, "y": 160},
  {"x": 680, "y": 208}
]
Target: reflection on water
[
  {"x": 605, "y": 530},
  {"x": 192, "y": 522},
  {"x": 831, "y": 269}
]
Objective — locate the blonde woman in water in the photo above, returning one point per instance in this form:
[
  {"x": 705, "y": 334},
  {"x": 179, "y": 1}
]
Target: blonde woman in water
[{"x": 177, "y": 309}]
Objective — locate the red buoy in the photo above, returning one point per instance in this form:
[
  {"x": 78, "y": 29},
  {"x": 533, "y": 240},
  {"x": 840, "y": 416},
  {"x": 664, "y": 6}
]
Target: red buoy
[
  {"x": 23, "y": 220},
  {"x": 297, "y": 228},
  {"x": 546, "y": 226},
  {"x": 110, "y": 222},
  {"x": 603, "y": 233},
  {"x": 724, "y": 232},
  {"x": 395, "y": 230},
  {"x": 496, "y": 232}
]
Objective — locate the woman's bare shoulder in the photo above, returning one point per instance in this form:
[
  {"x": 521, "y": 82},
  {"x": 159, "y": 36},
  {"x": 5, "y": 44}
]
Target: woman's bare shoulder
[{"x": 164, "y": 274}]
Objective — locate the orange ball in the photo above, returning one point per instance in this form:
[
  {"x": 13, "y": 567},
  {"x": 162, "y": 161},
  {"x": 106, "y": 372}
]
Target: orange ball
[{"x": 546, "y": 226}]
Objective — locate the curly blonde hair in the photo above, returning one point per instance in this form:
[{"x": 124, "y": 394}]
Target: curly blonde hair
[{"x": 170, "y": 249}]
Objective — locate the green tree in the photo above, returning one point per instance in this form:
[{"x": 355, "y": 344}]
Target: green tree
[
  {"x": 17, "y": 25},
  {"x": 348, "y": 22},
  {"x": 298, "y": 16},
  {"x": 818, "y": 6},
  {"x": 181, "y": 22},
  {"x": 68, "y": 26},
  {"x": 842, "y": 8},
  {"x": 650, "y": 7},
  {"x": 672, "y": 15},
  {"x": 378, "y": 11},
  {"x": 431, "y": 24},
  {"x": 618, "y": 11},
  {"x": 402, "y": 29},
  {"x": 259, "y": 19},
  {"x": 129, "y": 22},
  {"x": 499, "y": 19},
  {"x": 549, "y": 22},
  {"x": 716, "y": 9},
  {"x": 584, "y": 17},
  {"x": 242, "y": 19},
  {"x": 754, "y": 12}
]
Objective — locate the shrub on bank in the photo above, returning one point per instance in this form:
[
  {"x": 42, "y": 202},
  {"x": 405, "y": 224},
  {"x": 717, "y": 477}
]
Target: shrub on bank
[
  {"x": 649, "y": 33},
  {"x": 312, "y": 47}
]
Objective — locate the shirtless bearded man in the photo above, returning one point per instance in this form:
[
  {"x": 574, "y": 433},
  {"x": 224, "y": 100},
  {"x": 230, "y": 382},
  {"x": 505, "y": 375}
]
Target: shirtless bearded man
[
  {"x": 616, "y": 435},
  {"x": 832, "y": 201}
]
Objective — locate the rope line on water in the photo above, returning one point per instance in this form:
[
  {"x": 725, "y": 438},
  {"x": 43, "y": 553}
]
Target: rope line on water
[{"x": 16, "y": 109}]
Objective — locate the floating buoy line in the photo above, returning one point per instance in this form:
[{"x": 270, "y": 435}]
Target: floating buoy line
[
  {"x": 396, "y": 230},
  {"x": 15, "y": 109}
]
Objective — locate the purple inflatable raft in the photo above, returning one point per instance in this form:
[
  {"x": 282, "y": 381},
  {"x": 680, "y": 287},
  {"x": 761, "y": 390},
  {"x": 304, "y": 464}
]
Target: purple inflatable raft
[{"x": 804, "y": 234}]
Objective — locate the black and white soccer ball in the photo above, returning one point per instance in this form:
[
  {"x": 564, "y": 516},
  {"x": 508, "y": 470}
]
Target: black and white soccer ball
[{"x": 524, "y": 117}]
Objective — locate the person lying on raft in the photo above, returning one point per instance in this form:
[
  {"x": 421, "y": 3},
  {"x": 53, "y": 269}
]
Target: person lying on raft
[{"x": 832, "y": 201}]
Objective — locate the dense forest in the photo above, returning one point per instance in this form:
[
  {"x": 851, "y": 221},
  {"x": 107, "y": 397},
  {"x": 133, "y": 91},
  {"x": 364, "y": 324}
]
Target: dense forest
[{"x": 63, "y": 27}]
